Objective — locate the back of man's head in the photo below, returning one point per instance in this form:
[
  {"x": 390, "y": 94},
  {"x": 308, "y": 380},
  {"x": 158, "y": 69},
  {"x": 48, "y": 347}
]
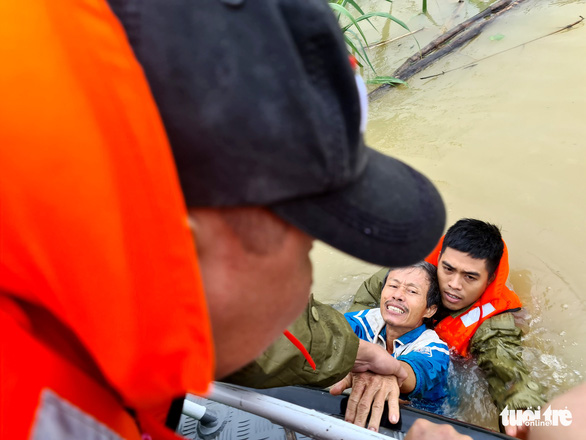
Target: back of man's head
[{"x": 480, "y": 240}]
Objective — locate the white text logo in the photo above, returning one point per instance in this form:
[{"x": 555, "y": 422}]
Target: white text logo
[{"x": 528, "y": 417}]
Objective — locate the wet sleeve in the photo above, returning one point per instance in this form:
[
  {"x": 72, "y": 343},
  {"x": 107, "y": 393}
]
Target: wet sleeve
[
  {"x": 498, "y": 350},
  {"x": 328, "y": 337},
  {"x": 368, "y": 294},
  {"x": 430, "y": 366}
]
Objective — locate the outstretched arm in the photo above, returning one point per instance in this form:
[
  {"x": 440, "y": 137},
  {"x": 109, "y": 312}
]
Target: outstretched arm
[
  {"x": 332, "y": 344},
  {"x": 374, "y": 358},
  {"x": 328, "y": 337}
]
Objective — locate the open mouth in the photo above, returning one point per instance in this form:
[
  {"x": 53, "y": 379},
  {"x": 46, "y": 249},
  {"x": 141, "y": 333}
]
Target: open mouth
[
  {"x": 395, "y": 308},
  {"x": 452, "y": 298}
]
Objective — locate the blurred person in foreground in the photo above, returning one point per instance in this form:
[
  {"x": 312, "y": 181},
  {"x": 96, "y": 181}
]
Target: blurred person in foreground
[{"x": 165, "y": 168}]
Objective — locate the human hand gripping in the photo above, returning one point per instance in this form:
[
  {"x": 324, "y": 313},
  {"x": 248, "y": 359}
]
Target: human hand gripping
[
  {"x": 372, "y": 357},
  {"x": 369, "y": 390},
  {"x": 372, "y": 390}
]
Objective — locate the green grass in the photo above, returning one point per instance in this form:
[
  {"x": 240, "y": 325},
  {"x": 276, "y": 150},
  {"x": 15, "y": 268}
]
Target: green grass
[{"x": 350, "y": 12}]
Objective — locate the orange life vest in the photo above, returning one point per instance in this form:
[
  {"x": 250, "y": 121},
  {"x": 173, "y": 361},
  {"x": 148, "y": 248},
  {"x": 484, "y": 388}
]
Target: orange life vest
[
  {"x": 101, "y": 300},
  {"x": 497, "y": 298}
]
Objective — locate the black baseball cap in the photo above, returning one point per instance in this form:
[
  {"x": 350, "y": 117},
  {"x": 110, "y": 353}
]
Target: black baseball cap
[{"x": 261, "y": 107}]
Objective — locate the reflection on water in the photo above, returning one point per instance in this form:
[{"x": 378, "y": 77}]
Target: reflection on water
[{"x": 503, "y": 142}]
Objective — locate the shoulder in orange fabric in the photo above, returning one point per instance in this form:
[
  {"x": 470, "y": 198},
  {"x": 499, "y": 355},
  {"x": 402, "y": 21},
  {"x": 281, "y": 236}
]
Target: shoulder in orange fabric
[{"x": 93, "y": 227}]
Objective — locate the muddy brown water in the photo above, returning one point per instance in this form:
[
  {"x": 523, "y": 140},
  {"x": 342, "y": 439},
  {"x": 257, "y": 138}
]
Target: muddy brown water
[{"x": 504, "y": 141}]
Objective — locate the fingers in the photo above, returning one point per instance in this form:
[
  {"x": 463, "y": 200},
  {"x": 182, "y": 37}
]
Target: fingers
[
  {"x": 369, "y": 393},
  {"x": 353, "y": 401},
  {"x": 393, "y": 402},
  {"x": 424, "y": 430},
  {"x": 520, "y": 432},
  {"x": 388, "y": 391},
  {"x": 369, "y": 397},
  {"x": 376, "y": 414},
  {"x": 339, "y": 387}
]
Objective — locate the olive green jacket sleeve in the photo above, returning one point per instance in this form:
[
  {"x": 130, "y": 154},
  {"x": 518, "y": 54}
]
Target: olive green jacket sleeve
[
  {"x": 498, "y": 350},
  {"x": 368, "y": 294},
  {"x": 328, "y": 337}
]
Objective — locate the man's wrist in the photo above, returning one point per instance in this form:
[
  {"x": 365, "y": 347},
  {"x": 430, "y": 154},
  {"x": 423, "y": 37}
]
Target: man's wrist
[{"x": 371, "y": 357}]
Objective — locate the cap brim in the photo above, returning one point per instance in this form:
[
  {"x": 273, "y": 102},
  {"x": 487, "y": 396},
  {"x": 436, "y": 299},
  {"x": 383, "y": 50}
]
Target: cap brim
[{"x": 391, "y": 216}]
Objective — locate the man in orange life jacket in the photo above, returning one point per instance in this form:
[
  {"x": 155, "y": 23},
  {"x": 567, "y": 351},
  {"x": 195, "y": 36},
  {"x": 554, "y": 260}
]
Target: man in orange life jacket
[
  {"x": 472, "y": 262},
  {"x": 103, "y": 315}
]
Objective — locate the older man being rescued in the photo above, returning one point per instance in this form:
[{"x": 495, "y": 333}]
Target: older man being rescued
[{"x": 403, "y": 325}]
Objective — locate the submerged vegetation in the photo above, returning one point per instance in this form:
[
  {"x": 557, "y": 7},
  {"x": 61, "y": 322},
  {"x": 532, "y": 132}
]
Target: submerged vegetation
[{"x": 350, "y": 12}]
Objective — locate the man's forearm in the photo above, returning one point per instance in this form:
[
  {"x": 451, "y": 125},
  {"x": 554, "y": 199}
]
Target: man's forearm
[
  {"x": 374, "y": 358},
  {"x": 328, "y": 337},
  {"x": 498, "y": 349}
]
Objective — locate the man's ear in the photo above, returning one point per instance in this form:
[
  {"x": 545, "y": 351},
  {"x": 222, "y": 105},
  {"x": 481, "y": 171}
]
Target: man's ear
[
  {"x": 194, "y": 227},
  {"x": 207, "y": 229},
  {"x": 192, "y": 222},
  {"x": 430, "y": 311},
  {"x": 491, "y": 279}
]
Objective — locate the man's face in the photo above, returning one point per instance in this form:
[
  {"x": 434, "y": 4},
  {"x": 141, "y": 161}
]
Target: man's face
[
  {"x": 462, "y": 279},
  {"x": 252, "y": 295},
  {"x": 404, "y": 299}
]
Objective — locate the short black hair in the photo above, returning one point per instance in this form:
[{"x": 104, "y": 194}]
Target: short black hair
[
  {"x": 433, "y": 292},
  {"x": 480, "y": 240}
]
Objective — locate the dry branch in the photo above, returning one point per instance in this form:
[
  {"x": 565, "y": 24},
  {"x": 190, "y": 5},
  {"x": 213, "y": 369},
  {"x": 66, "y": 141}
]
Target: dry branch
[{"x": 447, "y": 42}]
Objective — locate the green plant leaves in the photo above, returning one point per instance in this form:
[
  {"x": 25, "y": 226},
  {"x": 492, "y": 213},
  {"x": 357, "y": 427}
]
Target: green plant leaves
[
  {"x": 375, "y": 14},
  {"x": 355, "y": 37},
  {"x": 497, "y": 37},
  {"x": 386, "y": 80},
  {"x": 343, "y": 11}
]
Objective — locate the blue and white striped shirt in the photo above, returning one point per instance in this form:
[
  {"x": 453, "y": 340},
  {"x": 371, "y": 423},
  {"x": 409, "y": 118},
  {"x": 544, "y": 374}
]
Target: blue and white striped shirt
[{"x": 421, "y": 348}]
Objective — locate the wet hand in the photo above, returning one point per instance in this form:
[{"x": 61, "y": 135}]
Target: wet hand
[{"x": 369, "y": 390}]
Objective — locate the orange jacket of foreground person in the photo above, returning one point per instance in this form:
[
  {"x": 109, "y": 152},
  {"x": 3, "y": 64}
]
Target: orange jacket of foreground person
[
  {"x": 102, "y": 313},
  {"x": 497, "y": 298}
]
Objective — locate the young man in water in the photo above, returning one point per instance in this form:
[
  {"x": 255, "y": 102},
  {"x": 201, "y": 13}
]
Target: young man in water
[
  {"x": 403, "y": 325},
  {"x": 472, "y": 263}
]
